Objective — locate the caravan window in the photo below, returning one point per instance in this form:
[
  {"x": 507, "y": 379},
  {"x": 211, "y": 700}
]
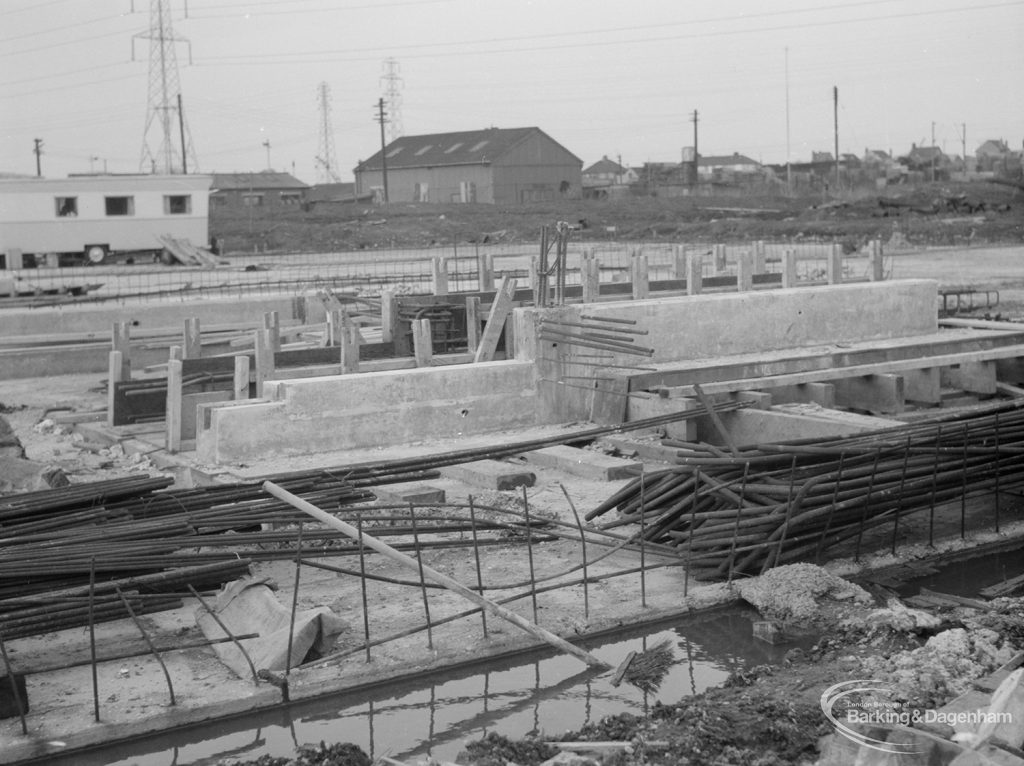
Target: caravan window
[
  {"x": 67, "y": 207},
  {"x": 120, "y": 205},
  {"x": 177, "y": 204}
]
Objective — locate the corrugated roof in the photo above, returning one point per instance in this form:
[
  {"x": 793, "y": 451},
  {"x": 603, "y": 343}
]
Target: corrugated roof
[
  {"x": 265, "y": 179},
  {"x": 471, "y": 147}
]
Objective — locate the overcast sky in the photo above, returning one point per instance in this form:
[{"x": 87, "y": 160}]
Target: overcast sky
[{"x": 601, "y": 77}]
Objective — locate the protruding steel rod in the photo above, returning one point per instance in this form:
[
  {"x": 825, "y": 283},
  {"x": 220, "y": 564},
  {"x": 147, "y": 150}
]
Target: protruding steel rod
[
  {"x": 435, "y": 576},
  {"x": 476, "y": 559}
]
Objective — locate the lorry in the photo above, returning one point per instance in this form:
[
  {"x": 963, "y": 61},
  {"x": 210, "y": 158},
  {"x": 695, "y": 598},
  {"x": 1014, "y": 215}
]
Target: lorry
[{"x": 93, "y": 219}]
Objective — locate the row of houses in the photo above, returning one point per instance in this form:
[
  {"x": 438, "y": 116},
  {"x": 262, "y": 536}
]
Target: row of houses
[{"x": 523, "y": 165}]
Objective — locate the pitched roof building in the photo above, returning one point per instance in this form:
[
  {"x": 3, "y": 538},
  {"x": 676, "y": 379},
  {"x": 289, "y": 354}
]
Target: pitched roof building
[
  {"x": 495, "y": 165},
  {"x": 267, "y": 188}
]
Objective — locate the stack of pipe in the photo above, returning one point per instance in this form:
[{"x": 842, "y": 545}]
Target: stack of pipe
[{"x": 769, "y": 504}]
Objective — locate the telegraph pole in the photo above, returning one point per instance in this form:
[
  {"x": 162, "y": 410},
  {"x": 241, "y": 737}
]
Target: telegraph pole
[
  {"x": 963, "y": 144},
  {"x": 38, "y": 151},
  {"x": 789, "y": 173},
  {"x": 382, "y": 119},
  {"x": 835, "y": 128},
  {"x": 181, "y": 133},
  {"x": 933, "y": 151},
  {"x": 696, "y": 154}
]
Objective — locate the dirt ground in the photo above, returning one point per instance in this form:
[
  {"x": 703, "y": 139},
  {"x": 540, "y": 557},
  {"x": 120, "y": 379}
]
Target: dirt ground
[{"x": 926, "y": 218}]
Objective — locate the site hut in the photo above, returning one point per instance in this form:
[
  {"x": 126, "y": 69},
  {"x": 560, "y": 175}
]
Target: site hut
[
  {"x": 265, "y": 189},
  {"x": 90, "y": 218},
  {"x": 496, "y": 165}
]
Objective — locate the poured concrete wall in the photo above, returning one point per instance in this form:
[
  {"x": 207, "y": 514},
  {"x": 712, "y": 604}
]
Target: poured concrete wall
[
  {"x": 698, "y": 327},
  {"x": 370, "y": 410},
  {"x": 722, "y": 324},
  {"x": 146, "y": 316}
]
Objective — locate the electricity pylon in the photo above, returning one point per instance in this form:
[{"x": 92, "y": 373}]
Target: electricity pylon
[
  {"x": 166, "y": 129},
  {"x": 326, "y": 164},
  {"x": 391, "y": 81}
]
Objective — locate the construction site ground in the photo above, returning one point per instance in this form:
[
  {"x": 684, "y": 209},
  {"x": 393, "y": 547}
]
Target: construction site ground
[{"x": 767, "y": 716}]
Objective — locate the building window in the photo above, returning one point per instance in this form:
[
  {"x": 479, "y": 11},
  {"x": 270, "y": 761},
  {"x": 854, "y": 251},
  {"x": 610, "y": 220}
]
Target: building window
[
  {"x": 291, "y": 198},
  {"x": 453, "y": 148},
  {"x": 423, "y": 150},
  {"x": 478, "y": 145},
  {"x": 421, "y": 191},
  {"x": 252, "y": 200},
  {"x": 177, "y": 204},
  {"x": 218, "y": 200},
  {"x": 120, "y": 205},
  {"x": 467, "y": 191},
  {"x": 67, "y": 207},
  {"x": 395, "y": 151}
]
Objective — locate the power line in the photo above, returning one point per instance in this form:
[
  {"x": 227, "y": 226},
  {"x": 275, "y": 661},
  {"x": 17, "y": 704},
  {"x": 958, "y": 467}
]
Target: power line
[{"x": 456, "y": 48}]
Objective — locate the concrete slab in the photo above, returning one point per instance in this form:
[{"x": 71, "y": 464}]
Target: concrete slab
[
  {"x": 415, "y": 492},
  {"x": 584, "y": 463},
  {"x": 490, "y": 474}
]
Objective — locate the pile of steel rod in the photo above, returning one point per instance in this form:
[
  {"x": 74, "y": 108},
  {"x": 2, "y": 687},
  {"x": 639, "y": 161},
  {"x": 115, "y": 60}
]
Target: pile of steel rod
[
  {"x": 775, "y": 503},
  {"x": 139, "y": 527}
]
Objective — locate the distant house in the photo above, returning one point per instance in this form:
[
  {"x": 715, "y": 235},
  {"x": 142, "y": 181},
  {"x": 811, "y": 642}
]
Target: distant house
[
  {"x": 926, "y": 159},
  {"x": 605, "y": 172},
  {"x": 712, "y": 166},
  {"x": 266, "y": 189},
  {"x": 495, "y": 165},
  {"x": 320, "y": 195},
  {"x": 608, "y": 178},
  {"x": 992, "y": 154}
]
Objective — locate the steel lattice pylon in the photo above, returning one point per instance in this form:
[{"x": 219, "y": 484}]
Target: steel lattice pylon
[
  {"x": 391, "y": 80},
  {"x": 326, "y": 164},
  {"x": 166, "y": 127}
]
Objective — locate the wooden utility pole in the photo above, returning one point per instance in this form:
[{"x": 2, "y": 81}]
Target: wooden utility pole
[
  {"x": 181, "y": 132},
  {"x": 38, "y": 152},
  {"x": 835, "y": 129},
  {"x": 382, "y": 118},
  {"x": 696, "y": 154},
  {"x": 933, "y": 151}
]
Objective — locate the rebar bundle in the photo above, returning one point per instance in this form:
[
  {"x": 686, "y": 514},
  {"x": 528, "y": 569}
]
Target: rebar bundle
[{"x": 743, "y": 513}]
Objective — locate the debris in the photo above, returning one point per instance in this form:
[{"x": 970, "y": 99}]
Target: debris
[
  {"x": 17, "y": 475},
  {"x": 647, "y": 670},
  {"x": 793, "y": 592}
]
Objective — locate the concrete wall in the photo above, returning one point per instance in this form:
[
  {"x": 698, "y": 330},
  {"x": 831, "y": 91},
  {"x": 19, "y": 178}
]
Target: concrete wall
[
  {"x": 722, "y": 324},
  {"x": 145, "y": 316},
  {"x": 690, "y": 328},
  {"x": 369, "y": 410}
]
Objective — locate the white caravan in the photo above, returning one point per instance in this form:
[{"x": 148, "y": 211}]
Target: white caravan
[{"x": 88, "y": 219}]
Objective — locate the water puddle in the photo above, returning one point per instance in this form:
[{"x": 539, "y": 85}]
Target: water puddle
[
  {"x": 534, "y": 692},
  {"x": 968, "y": 577}
]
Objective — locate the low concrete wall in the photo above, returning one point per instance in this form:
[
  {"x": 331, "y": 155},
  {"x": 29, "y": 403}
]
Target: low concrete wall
[
  {"x": 369, "y": 410},
  {"x": 79, "y": 318}
]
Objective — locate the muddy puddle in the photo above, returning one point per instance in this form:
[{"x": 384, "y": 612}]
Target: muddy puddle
[
  {"x": 970, "y": 576},
  {"x": 437, "y": 714}
]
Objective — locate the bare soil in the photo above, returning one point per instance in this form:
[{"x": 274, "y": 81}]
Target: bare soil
[{"x": 924, "y": 217}]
